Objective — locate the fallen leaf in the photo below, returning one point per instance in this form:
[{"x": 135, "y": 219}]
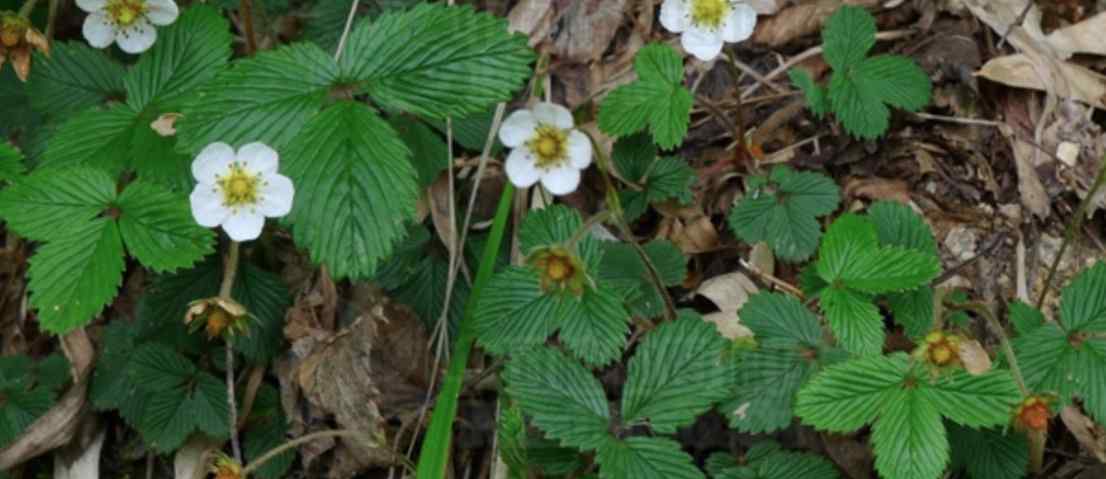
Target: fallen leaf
[
  {"x": 728, "y": 292},
  {"x": 191, "y": 461},
  {"x": 878, "y": 189},
  {"x": 587, "y": 28},
  {"x": 1083, "y": 37},
  {"x": 974, "y": 358},
  {"x": 800, "y": 20},
  {"x": 1067, "y": 79},
  {"x": 533, "y": 18},
  {"x": 165, "y": 125},
  {"x": 1090, "y": 435}
]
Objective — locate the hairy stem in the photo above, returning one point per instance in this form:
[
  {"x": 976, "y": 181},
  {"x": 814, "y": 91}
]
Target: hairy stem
[
  {"x": 297, "y": 442},
  {"x": 1075, "y": 225},
  {"x": 245, "y": 9},
  {"x": 230, "y": 270},
  {"x": 584, "y": 228},
  {"x": 996, "y": 328}
]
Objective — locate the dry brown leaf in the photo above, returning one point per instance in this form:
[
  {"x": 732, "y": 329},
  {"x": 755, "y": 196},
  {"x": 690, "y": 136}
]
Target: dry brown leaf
[
  {"x": 1090, "y": 435},
  {"x": 762, "y": 259},
  {"x": 974, "y": 358},
  {"x": 692, "y": 236},
  {"x": 799, "y": 20},
  {"x": 1068, "y": 79},
  {"x": 1083, "y": 37},
  {"x": 440, "y": 201},
  {"x": 587, "y": 28},
  {"x": 878, "y": 189},
  {"x": 165, "y": 125},
  {"x": 533, "y": 18},
  {"x": 1032, "y": 190},
  {"x": 728, "y": 292},
  {"x": 191, "y": 461}
]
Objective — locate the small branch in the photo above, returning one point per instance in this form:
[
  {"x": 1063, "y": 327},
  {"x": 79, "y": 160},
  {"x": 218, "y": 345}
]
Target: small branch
[
  {"x": 230, "y": 269},
  {"x": 245, "y": 9},
  {"x": 586, "y": 227},
  {"x": 345, "y": 31},
  {"x": 297, "y": 442},
  {"x": 1075, "y": 225}
]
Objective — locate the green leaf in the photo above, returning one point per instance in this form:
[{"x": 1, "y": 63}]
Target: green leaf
[
  {"x": 187, "y": 53},
  {"x": 514, "y": 312},
  {"x": 266, "y": 298},
  {"x": 267, "y": 429},
  {"x": 860, "y": 112},
  {"x": 975, "y": 401},
  {"x": 555, "y": 225},
  {"x": 645, "y": 458},
  {"x": 171, "y": 416},
  {"x": 1051, "y": 363},
  {"x": 1025, "y": 318},
  {"x": 72, "y": 279},
  {"x": 633, "y": 155},
  {"x": 848, "y": 36},
  {"x": 854, "y": 320},
  {"x": 99, "y": 138},
  {"x": 846, "y": 396},
  {"x": 909, "y": 437},
  {"x": 988, "y": 453},
  {"x": 429, "y": 153},
  {"x": 266, "y": 98},
  {"x": 816, "y": 95},
  {"x": 889, "y": 269},
  {"x": 1083, "y": 302},
  {"x": 596, "y": 332},
  {"x": 771, "y": 462},
  {"x": 670, "y": 178},
  {"x": 325, "y": 23},
  {"x": 894, "y": 80},
  {"x": 19, "y": 411},
  {"x": 676, "y": 374},
  {"x": 158, "y": 228},
  {"x": 898, "y": 225},
  {"x": 913, "y": 310},
  {"x": 787, "y": 218},
  {"x": 355, "y": 189},
  {"x": 657, "y": 99},
  {"x": 11, "y": 162},
  {"x": 417, "y": 275},
  {"x": 562, "y": 397},
  {"x": 623, "y": 270},
  {"x": 437, "y": 61},
  {"x": 73, "y": 78},
  {"x": 53, "y": 203},
  {"x": 155, "y": 158}
]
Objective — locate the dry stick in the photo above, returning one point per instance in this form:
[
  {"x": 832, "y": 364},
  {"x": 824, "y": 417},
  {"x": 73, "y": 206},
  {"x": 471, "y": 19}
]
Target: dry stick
[
  {"x": 230, "y": 269},
  {"x": 1075, "y": 225},
  {"x": 245, "y": 9},
  {"x": 273, "y": 453}
]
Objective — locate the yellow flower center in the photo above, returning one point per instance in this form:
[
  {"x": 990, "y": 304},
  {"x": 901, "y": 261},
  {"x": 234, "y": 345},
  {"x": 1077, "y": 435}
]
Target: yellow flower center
[
  {"x": 709, "y": 13},
  {"x": 12, "y": 30},
  {"x": 239, "y": 187},
  {"x": 550, "y": 144},
  {"x": 125, "y": 12},
  {"x": 559, "y": 268}
]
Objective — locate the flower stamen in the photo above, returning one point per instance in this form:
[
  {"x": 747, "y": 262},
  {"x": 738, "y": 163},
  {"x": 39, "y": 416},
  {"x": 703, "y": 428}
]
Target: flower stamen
[
  {"x": 239, "y": 187},
  {"x": 550, "y": 145},
  {"x": 709, "y": 14},
  {"x": 125, "y": 12}
]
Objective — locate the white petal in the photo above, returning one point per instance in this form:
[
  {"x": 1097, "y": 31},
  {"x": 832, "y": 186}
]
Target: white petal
[
  {"x": 244, "y": 225},
  {"x": 579, "y": 150},
  {"x": 674, "y": 15},
  {"x": 259, "y": 158},
  {"x": 207, "y": 206},
  {"x": 276, "y": 196},
  {"x": 162, "y": 12},
  {"x": 553, "y": 114},
  {"x": 213, "y": 160},
  {"x": 137, "y": 38},
  {"x": 705, "y": 45},
  {"x": 740, "y": 24},
  {"x": 98, "y": 30},
  {"x": 92, "y": 5},
  {"x": 517, "y": 129},
  {"x": 521, "y": 169},
  {"x": 561, "y": 181}
]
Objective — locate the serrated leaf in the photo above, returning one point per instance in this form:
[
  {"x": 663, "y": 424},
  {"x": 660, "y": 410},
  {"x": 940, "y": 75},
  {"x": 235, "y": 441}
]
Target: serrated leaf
[
  {"x": 596, "y": 333},
  {"x": 429, "y": 153},
  {"x": 95, "y": 137},
  {"x": 158, "y": 368},
  {"x": 564, "y": 399},
  {"x": 187, "y": 53},
  {"x": 72, "y": 78},
  {"x": 555, "y": 225},
  {"x": 417, "y": 275},
  {"x": 514, "y": 312},
  {"x": 623, "y": 270},
  {"x": 645, "y": 458},
  {"x": 988, "y": 453},
  {"x": 19, "y": 411},
  {"x": 72, "y": 279},
  {"x": 854, "y": 320},
  {"x": 657, "y": 99},
  {"x": 975, "y": 401},
  {"x": 909, "y": 438},
  {"x": 1083, "y": 302},
  {"x": 633, "y": 155},
  {"x": 676, "y": 374},
  {"x": 266, "y": 98},
  {"x": 1052, "y": 364},
  {"x": 846, "y": 396},
  {"x": 155, "y": 158},
  {"x": 860, "y": 112},
  {"x": 895, "y": 80},
  {"x": 158, "y": 228},
  {"x": 53, "y": 203},
  {"x": 171, "y": 416},
  {"x": 355, "y": 189},
  {"x": 669, "y": 178},
  {"x": 913, "y": 310},
  {"x": 266, "y": 298},
  {"x": 787, "y": 218},
  {"x": 1024, "y": 318},
  {"x": 437, "y": 61},
  {"x": 898, "y": 225},
  {"x": 848, "y": 36},
  {"x": 786, "y": 464},
  {"x": 267, "y": 429},
  {"x": 816, "y": 95},
  {"x": 11, "y": 162},
  {"x": 889, "y": 269}
]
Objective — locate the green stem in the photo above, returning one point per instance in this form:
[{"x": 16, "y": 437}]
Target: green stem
[
  {"x": 273, "y": 453},
  {"x": 434, "y": 455},
  {"x": 586, "y": 227},
  {"x": 1075, "y": 224},
  {"x": 28, "y": 6},
  {"x": 230, "y": 270},
  {"x": 996, "y": 328}
]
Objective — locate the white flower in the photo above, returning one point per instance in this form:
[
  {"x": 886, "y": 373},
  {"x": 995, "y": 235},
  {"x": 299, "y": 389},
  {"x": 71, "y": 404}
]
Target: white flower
[
  {"x": 237, "y": 191},
  {"x": 127, "y": 22},
  {"x": 546, "y": 148},
  {"x": 706, "y": 24}
]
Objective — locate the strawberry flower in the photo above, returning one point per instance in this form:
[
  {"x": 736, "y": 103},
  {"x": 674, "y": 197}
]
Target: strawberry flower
[
  {"x": 130, "y": 23},
  {"x": 238, "y": 190},
  {"x": 546, "y": 148},
  {"x": 705, "y": 25}
]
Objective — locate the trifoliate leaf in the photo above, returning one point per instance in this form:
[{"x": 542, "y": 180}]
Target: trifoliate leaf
[
  {"x": 596, "y": 332},
  {"x": 848, "y": 36},
  {"x": 267, "y": 429},
  {"x": 989, "y": 453},
  {"x": 158, "y": 228},
  {"x": 894, "y": 80},
  {"x": 514, "y": 312},
  {"x": 624, "y": 270},
  {"x": 645, "y": 458},
  {"x": 854, "y": 320},
  {"x": 909, "y": 437},
  {"x": 95, "y": 137},
  {"x": 657, "y": 99},
  {"x": 429, "y": 153},
  {"x": 786, "y": 218},
  {"x": 266, "y": 98},
  {"x": 52, "y": 203},
  {"x": 187, "y": 53},
  {"x": 860, "y": 112},
  {"x": 788, "y": 338},
  {"x": 898, "y": 225},
  {"x": 676, "y": 374},
  {"x": 72, "y": 78},
  {"x": 975, "y": 401},
  {"x": 816, "y": 95},
  {"x": 435, "y": 60},
  {"x": 72, "y": 279},
  {"x": 555, "y": 225},
  {"x": 355, "y": 189},
  {"x": 1083, "y": 302},
  {"x": 11, "y": 162},
  {"x": 564, "y": 399},
  {"x": 846, "y": 396}
]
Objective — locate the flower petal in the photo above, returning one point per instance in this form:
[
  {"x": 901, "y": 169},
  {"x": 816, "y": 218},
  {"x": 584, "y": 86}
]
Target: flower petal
[
  {"x": 703, "y": 44},
  {"x": 553, "y": 114},
  {"x": 521, "y": 169},
  {"x": 579, "y": 149},
  {"x": 207, "y": 206},
  {"x": 739, "y": 25},
  {"x": 276, "y": 196},
  {"x": 675, "y": 16},
  {"x": 244, "y": 225},
  {"x": 212, "y": 161},
  {"x": 137, "y": 38},
  {"x": 517, "y": 129},
  {"x": 162, "y": 12},
  {"x": 259, "y": 158},
  {"x": 561, "y": 181},
  {"x": 98, "y": 30},
  {"x": 91, "y": 6}
]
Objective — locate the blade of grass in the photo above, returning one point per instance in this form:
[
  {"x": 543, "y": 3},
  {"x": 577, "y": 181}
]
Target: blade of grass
[{"x": 434, "y": 455}]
